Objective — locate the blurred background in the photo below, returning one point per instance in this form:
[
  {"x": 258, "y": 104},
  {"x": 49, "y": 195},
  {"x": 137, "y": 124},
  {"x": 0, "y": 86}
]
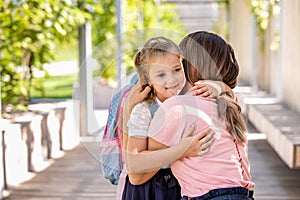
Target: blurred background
[{"x": 62, "y": 60}]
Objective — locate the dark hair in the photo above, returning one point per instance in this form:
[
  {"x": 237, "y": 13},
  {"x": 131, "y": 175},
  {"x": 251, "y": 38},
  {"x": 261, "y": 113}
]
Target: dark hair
[
  {"x": 154, "y": 47},
  {"x": 208, "y": 57}
]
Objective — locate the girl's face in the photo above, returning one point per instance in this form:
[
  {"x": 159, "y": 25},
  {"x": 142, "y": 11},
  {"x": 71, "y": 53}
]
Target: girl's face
[{"x": 166, "y": 76}]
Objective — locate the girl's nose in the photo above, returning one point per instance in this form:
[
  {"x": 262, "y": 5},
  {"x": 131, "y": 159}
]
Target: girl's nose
[{"x": 172, "y": 79}]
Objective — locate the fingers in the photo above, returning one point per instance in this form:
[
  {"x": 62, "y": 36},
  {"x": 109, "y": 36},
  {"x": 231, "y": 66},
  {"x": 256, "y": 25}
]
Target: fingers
[
  {"x": 202, "y": 134},
  {"x": 206, "y": 142},
  {"x": 137, "y": 95},
  {"x": 188, "y": 131},
  {"x": 209, "y": 136},
  {"x": 199, "y": 85},
  {"x": 200, "y": 82},
  {"x": 145, "y": 92},
  {"x": 205, "y": 94},
  {"x": 199, "y": 89},
  {"x": 199, "y": 144},
  {"x": 206, "y": 89},
  {"x": 203, "y": 152},
  {"x": 138, "y": 92}
]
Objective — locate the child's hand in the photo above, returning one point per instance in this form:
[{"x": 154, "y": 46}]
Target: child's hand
[
  {"x": 137, "y": 95},
  {"x": 199, "y": 144},
  {"x": 206, "y": 88}
]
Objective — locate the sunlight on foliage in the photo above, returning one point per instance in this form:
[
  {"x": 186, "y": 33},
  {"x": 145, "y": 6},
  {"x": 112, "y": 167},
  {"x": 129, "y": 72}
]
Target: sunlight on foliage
[
  {"x": 29, "y": 31},
  {"x": 33, "y": 32},
  {"x": 136, "y": 16},
  {"x": 263, "y": 10}
]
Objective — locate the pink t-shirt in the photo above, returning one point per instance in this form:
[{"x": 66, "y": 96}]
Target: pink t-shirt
[{"x": 225, "y": 165}]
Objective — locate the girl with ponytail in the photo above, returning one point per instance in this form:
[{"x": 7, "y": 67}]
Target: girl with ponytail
[
  {"x": 158, "y": 65},
  {"x": 224, "y": 172}
]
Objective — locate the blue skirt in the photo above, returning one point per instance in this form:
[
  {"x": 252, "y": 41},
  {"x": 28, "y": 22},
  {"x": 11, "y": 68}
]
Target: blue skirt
[{"x": 162, "y": 186}]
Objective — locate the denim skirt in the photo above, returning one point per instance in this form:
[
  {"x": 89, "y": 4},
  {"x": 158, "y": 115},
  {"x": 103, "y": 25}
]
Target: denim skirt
[{"x": 234, "y": 193}]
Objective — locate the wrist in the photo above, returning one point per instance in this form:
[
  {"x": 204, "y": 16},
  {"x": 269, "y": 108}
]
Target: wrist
[{"x": 182, "y": 150}]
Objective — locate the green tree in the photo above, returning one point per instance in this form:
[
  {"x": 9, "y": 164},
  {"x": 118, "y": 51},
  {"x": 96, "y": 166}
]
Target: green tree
[
  {"x": 29, "y": 31},
  {"x": 138, "y": 17},
  {"x": 263, "y": 11}
]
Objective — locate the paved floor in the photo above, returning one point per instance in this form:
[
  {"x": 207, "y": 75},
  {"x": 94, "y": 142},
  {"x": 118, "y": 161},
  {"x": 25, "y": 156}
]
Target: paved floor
[
  {"x": 76, "y": 176},
  {"x": 273, "y": 179}
]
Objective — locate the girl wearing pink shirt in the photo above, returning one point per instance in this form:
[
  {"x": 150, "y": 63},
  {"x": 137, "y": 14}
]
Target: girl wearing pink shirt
[
  {"x": 158, "y": 65},
  {"x": 224, "y": 172}
]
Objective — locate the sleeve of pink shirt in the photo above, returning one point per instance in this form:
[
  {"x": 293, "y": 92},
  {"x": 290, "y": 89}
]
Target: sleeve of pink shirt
[{"x": 167, "y": 123}]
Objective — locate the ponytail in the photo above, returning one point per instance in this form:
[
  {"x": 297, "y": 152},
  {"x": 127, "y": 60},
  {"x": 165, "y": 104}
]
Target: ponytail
[
  {"x": 208, "y": 56},
  {"x": 229, "y": 110}
]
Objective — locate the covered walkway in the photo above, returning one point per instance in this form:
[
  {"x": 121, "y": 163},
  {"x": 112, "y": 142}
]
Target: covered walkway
[{"x": 77, "y": 176}]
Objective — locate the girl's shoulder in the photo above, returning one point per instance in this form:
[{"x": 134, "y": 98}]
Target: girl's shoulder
[
  {"x": 188, "y": 100},
  {"x": 141, "y": 107}
]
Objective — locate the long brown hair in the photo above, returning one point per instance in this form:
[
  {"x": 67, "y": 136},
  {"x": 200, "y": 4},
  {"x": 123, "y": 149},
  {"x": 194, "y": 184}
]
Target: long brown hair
[
  {"x": 208, "y": 57},
  {"x": 154, "y": 47}
]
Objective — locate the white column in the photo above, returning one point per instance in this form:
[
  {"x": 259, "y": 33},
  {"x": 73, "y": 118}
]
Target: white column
[
  {"x": 280, "y": 64},
  {"x": 120, "y": 65},
  {"x": 1, "y": 150},
  {"x": 290, "y": 53},
  {"x": 253, "y": 65},
  {"x": 86, "y": 112},
  {"x": 241, "y": 37},
  {"x": 3, "y": 126},
  {"x": 1, "y": 165}
]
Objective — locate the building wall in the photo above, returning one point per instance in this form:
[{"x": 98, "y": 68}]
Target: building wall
[
  {"x": 268, "y": 57},
  {"x": 273, "y": 56},
  {"x": 274, "y": 71},
  {"x": 1, "y": 166},
  {"x": 241, "y": 37},
  {"x": 290, "y": 52}
]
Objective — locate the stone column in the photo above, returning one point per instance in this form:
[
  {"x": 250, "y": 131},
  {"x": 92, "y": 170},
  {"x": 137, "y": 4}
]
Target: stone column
[
  {"x": 16, "y": 156},
  {"x": 290, "y": 53},
  {"x": 70, "y": 137},
  {"x": 242, "y": 36},
  {"x": 30, "y": 125},
  {"x": 2, "y": 164},
  {"x": 273, "y": 53}
]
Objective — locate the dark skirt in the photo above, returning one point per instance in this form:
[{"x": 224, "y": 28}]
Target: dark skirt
[{"x": 162, "y": 186}]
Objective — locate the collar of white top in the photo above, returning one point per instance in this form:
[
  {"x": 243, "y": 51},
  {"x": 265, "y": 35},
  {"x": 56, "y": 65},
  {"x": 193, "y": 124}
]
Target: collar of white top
[{"x": 158, "y": 101}]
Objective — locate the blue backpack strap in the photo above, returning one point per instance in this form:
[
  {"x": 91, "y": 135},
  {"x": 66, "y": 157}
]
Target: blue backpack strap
[
  {"x": 113, "y": 108},
  {"x": 152, "y": 107},
  {"x": 111, "y": 160}
]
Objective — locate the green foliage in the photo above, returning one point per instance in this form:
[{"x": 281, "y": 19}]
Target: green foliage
[
  {"x": 29, "y": 31},
  {"x": 263, "y": 10},
  {"x": 56, "y": 87},
  {"x": 67, "y": 50},
  {"x": 141, "y": 20}
]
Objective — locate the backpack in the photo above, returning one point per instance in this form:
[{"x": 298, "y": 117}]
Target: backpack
[
  {"x": 152, "y": 107},
  {"x": 111, "y": 159}
]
